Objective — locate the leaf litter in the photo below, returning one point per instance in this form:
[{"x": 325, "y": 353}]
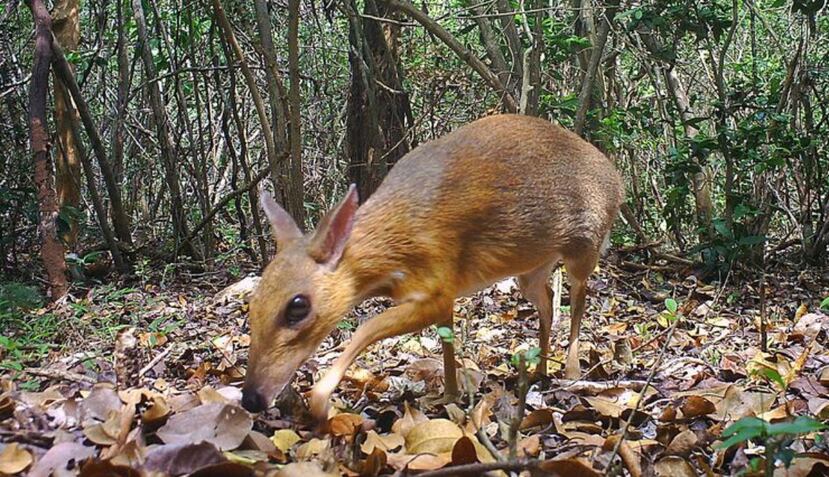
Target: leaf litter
[{"x": 166, "y": 398}]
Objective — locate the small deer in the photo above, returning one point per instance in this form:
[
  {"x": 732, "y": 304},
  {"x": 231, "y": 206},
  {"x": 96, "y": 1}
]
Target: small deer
[{"x": 506, "y": 195}]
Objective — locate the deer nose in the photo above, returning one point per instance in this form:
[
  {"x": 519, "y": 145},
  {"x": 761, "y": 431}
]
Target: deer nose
[{"x": 252, "y": 400}]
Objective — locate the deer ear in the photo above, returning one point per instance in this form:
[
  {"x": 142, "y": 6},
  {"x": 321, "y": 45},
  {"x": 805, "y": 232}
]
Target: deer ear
[
  {"x": 283, "y": 227},
  {"x": 329, "y": 239}
]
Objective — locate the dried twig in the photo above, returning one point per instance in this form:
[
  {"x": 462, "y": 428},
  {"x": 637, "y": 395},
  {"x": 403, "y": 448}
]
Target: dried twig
[
  {"x": 160, "y": 356},
  {"x": 516, "y": 465},
  {"x": 62, "y": 375}
]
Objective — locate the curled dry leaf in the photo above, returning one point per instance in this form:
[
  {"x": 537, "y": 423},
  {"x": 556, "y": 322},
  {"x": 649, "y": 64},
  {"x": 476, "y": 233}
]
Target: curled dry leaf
[
  {"x": 530, "y": 446},
  {"x": 59, "y": 457},
  {"x": 417, "y": 462},
  {"x": 14, "y": 459},
  {"x": 411, "y": 417},
  {"x": 105, "y": 468},
  {"x": 284, "y": 439},
  {"x": 303, "y": 469},
  {"x": 695, "y": 406},
  {"x": 6, "y": 407},
  {"x": 682, "y": 444},
  {"x": 572, "y": 467},
  {"x": 224, "y": 469},
  {"x": 673, "y": 466},
  {"x": 463, "y": 452},
  {"x": 312, "y": 448},
  {"x": 538, "y": 417},
  {"x": 156, "y": 414},
  {"x": 177, "y": 459},
  {"x": 434, "y": 437},
  {"x": 345, "y": 424},
  {"x": 385, "y": 442},
  {"x": 101, "y": 402},
  {"x": 224, "y": 425},
  {"x": 374, "y": 464}
]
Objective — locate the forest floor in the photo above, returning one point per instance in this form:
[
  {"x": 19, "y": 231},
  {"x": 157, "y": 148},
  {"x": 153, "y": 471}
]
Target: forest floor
[{"x": 146, "y": 376}]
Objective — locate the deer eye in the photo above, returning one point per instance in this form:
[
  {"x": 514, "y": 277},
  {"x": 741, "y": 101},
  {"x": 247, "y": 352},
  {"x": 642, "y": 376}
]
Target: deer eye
[{"x": 298, "y": 308}]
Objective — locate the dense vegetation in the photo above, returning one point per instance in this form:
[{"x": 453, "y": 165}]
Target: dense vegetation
[{"x": 136, "y": 136}]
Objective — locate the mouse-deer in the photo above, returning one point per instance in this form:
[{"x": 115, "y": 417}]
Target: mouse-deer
[{"x": 506, "y": 195}]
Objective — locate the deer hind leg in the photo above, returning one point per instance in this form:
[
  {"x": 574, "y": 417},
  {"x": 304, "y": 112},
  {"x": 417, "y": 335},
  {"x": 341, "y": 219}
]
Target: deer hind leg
[
  {"x": 579, "y": 269},
  {"x": 535, "y": 288}
]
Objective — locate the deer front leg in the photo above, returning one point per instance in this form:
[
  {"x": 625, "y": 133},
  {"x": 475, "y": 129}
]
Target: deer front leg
[{"x": 404, "y": 318}]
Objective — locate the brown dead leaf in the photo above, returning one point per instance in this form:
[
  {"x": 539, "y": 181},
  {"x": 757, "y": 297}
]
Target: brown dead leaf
[
  {"x": 538, "y": 417},
  {"x": 102, "y": 401},
  {"x": 303, "y": 469},
  {"x": 463, "y": 452},
  {"x": 156, "y": 414},
  {"x": 411, "y": 417},
  {"x": 573, "y": 467},
  {"x": 682, "y": 444},
  {"x": 224, "y": 469},
  {"x": 385, "y": 442},
  {"x": 374, "y": 463},
  {"x": 417, "y": 462},
  {"x": 673, "y": 466},
  {"x": 6, "y": 407},
  {"x": 59, "y": 457},
  {"x": 312, "y": 448},
  {"x": 695, "y": 406},
  {"x": 105, "y": 468},
  {"x": 819, "y": 407},
  {"x": 284, "y": 439},
  {"x": 177, "y": 459},
  {"x": 804, "y": 467},
  {"x": 224, "y": 425},
  {"x": 14, "y": 459},
  {"x": 529, "y": 446},
  {"x": 345, "y": 424},
  {"x": 435, "y": 436}
]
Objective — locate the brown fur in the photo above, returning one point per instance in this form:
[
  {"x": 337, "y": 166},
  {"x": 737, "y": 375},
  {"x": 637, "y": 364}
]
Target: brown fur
[{"x": 503, "y": 196}]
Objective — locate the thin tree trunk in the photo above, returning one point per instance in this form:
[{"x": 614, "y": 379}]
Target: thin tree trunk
[
  {"x": 296, "y": 187},
  {"x": 585, "y": 94},
  {"x": 64, "y": 72},
  {"x": 274, "y": 157},
  {"x": 463, "y": 53},
  {"x": 66, "y": 28},
  {"x": 51, "y": 250},
  {"x": 92, "y": 188},
  {"x": 165, "y": 140}
]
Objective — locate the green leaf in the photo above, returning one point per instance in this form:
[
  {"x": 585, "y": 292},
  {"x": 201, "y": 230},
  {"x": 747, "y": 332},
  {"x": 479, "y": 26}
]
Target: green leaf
[
  {"x": 671, "y": 305},
  {"x": 774, "y": 376},
  {"x": 801, "y": 425},
  {"x": 741, "y": 431},
  {"x": 446, "y": 334},
  {"x": 824, "y": 305},
  {"x": 532, "y": 356}
]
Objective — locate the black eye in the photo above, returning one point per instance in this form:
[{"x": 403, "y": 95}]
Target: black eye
[{"x": 297, "y": 309}]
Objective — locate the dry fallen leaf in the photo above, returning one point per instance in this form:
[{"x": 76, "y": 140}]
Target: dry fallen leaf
[
  {"x": 224, "y": 425},
  {"x": 345, "y": 424},
  {"x": 177, "y": 459},
  {"x": 463, "y": 452},
  {"x": 14, "y": 459},
  {"x": 59, "y": 456},
  {"x": 385, "y": 442},
  {"x": 411, "y": 417},
  {"x": 673, "y": 466},
  {"x": 572, "y": 467},
  {"x": 284, "y": 439},
  {"x": 434, "y": 437}
]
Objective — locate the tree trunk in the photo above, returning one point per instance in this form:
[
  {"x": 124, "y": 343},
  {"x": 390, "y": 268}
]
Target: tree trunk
[
  {"x": 296, "y": 189},
  {"x": 66, "y": 28},
  {"x": 64, "y": 73},
  {"x": 378, "y": 117},
  {"x": 165, "y": 140},
  {"x": 585, "y": 94},
  {"x": 51, "y": 250}
]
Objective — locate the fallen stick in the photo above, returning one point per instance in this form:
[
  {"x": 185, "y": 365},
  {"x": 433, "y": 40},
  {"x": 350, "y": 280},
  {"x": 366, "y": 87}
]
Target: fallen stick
[
  {"x": 160, "y": 356},
  {"x": 594, "y": 387},
  {"x": 62, "y": 375}
]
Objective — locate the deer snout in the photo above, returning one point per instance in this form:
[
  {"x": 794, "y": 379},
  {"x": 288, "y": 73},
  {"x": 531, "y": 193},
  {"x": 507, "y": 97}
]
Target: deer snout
[{"x": 253, "y": 400}]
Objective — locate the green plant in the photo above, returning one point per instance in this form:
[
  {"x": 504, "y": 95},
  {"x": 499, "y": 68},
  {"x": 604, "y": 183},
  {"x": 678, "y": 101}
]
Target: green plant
[
  {"x": 447, "y": 335},
  {"x": 775, "y": 437},
  {"x": 531, "y": 356}
]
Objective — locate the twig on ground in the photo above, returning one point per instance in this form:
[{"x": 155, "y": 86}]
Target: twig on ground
[
  {"x": 62, "y": 375},
  {"x": 160, "y": 356},
  {"x": 523, "y": 388},
  {"x": 595, "y": 387},
  {"x": 479, "y": 468},
  {"x": 656, "y": 366}
]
